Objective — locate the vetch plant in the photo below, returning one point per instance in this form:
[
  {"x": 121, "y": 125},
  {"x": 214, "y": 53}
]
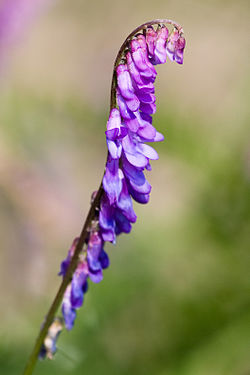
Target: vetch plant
[{"x": 129, "y": 129}]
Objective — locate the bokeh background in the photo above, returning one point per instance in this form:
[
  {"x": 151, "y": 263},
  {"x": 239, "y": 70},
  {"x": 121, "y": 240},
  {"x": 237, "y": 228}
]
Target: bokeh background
[{"x": 175, "y": 300}]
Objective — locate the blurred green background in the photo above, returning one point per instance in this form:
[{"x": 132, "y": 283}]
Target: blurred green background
[{"x": 175, "y": 300}]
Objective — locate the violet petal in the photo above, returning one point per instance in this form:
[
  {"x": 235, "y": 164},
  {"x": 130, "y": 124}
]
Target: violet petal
[
  {"x": 160, "y": 54},
  {"x": 68, "y": 312},
  {"x": 104, "y": 259},
  {"x": 111, "y": 181},
  {"x": 122, "y": 223},
  {"x": 150, "y": 40},
  {"x": 125, "y": 203},
  {"x": 148, "y": 108},
  {"x": 132, "y": 173},
  {"x": 126, "y": 87},
  {"x": 148, "y": 151},
  {"x": 144, "y": 189}
]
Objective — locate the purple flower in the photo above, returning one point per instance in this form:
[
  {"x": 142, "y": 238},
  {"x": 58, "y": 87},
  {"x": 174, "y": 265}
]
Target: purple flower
[
  {"x": 175, "y": 46},
  {"x": 123, "y": 225},
  {"x": 137, "y": 152},
  {"x": 74, "y": 294},
  {"x": 141, "y": 59},
  {"x": 96, "y": 257},
  {"x": 150, "y": 40},
  {"x": 104, "y": 259},
  {"x": 125, "y": 204},
  {"x": 111, "y": 180},
  {"x": 65, "y": 262},
  {"x": 106, "y": 220},
  {"x": 129, "y": 128},
  {"x": 69, "y": 313},
  {"x": 160, "y": 53},
  {"x": 91, "y": 267},
  {"x": 126, "y": 87},
  {"x": 139, "y": 82},
  {"x": 78, "y": 284},
  {"x": 115, "y": 132}
]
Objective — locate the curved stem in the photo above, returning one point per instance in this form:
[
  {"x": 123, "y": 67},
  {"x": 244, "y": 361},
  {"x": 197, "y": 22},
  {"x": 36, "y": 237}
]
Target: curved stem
[
  {"x": 91, "y": 215},
  {"x": 123, "y": 48}
]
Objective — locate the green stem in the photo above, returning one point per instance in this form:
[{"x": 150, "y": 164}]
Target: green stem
[
  {"x": 91, "y": 215},
  {"x": 66, "y": 280}
]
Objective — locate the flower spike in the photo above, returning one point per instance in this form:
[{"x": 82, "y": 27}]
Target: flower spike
[{"x": 129, "y": 128}]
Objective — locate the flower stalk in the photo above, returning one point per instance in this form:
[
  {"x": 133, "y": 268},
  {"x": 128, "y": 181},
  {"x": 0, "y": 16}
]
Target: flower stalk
[
  {"x": 132, "y": 103},
  {"x": 66, "y": 280}
]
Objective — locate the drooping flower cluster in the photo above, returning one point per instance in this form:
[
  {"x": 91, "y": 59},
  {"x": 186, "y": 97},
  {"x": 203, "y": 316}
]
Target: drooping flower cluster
[
  {"x": 90, "y": 265},
  {"x": 129, "y": 128}
]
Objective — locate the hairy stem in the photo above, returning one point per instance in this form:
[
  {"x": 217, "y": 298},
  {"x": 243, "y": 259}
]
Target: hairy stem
[{"x": 91, "y": 215}]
